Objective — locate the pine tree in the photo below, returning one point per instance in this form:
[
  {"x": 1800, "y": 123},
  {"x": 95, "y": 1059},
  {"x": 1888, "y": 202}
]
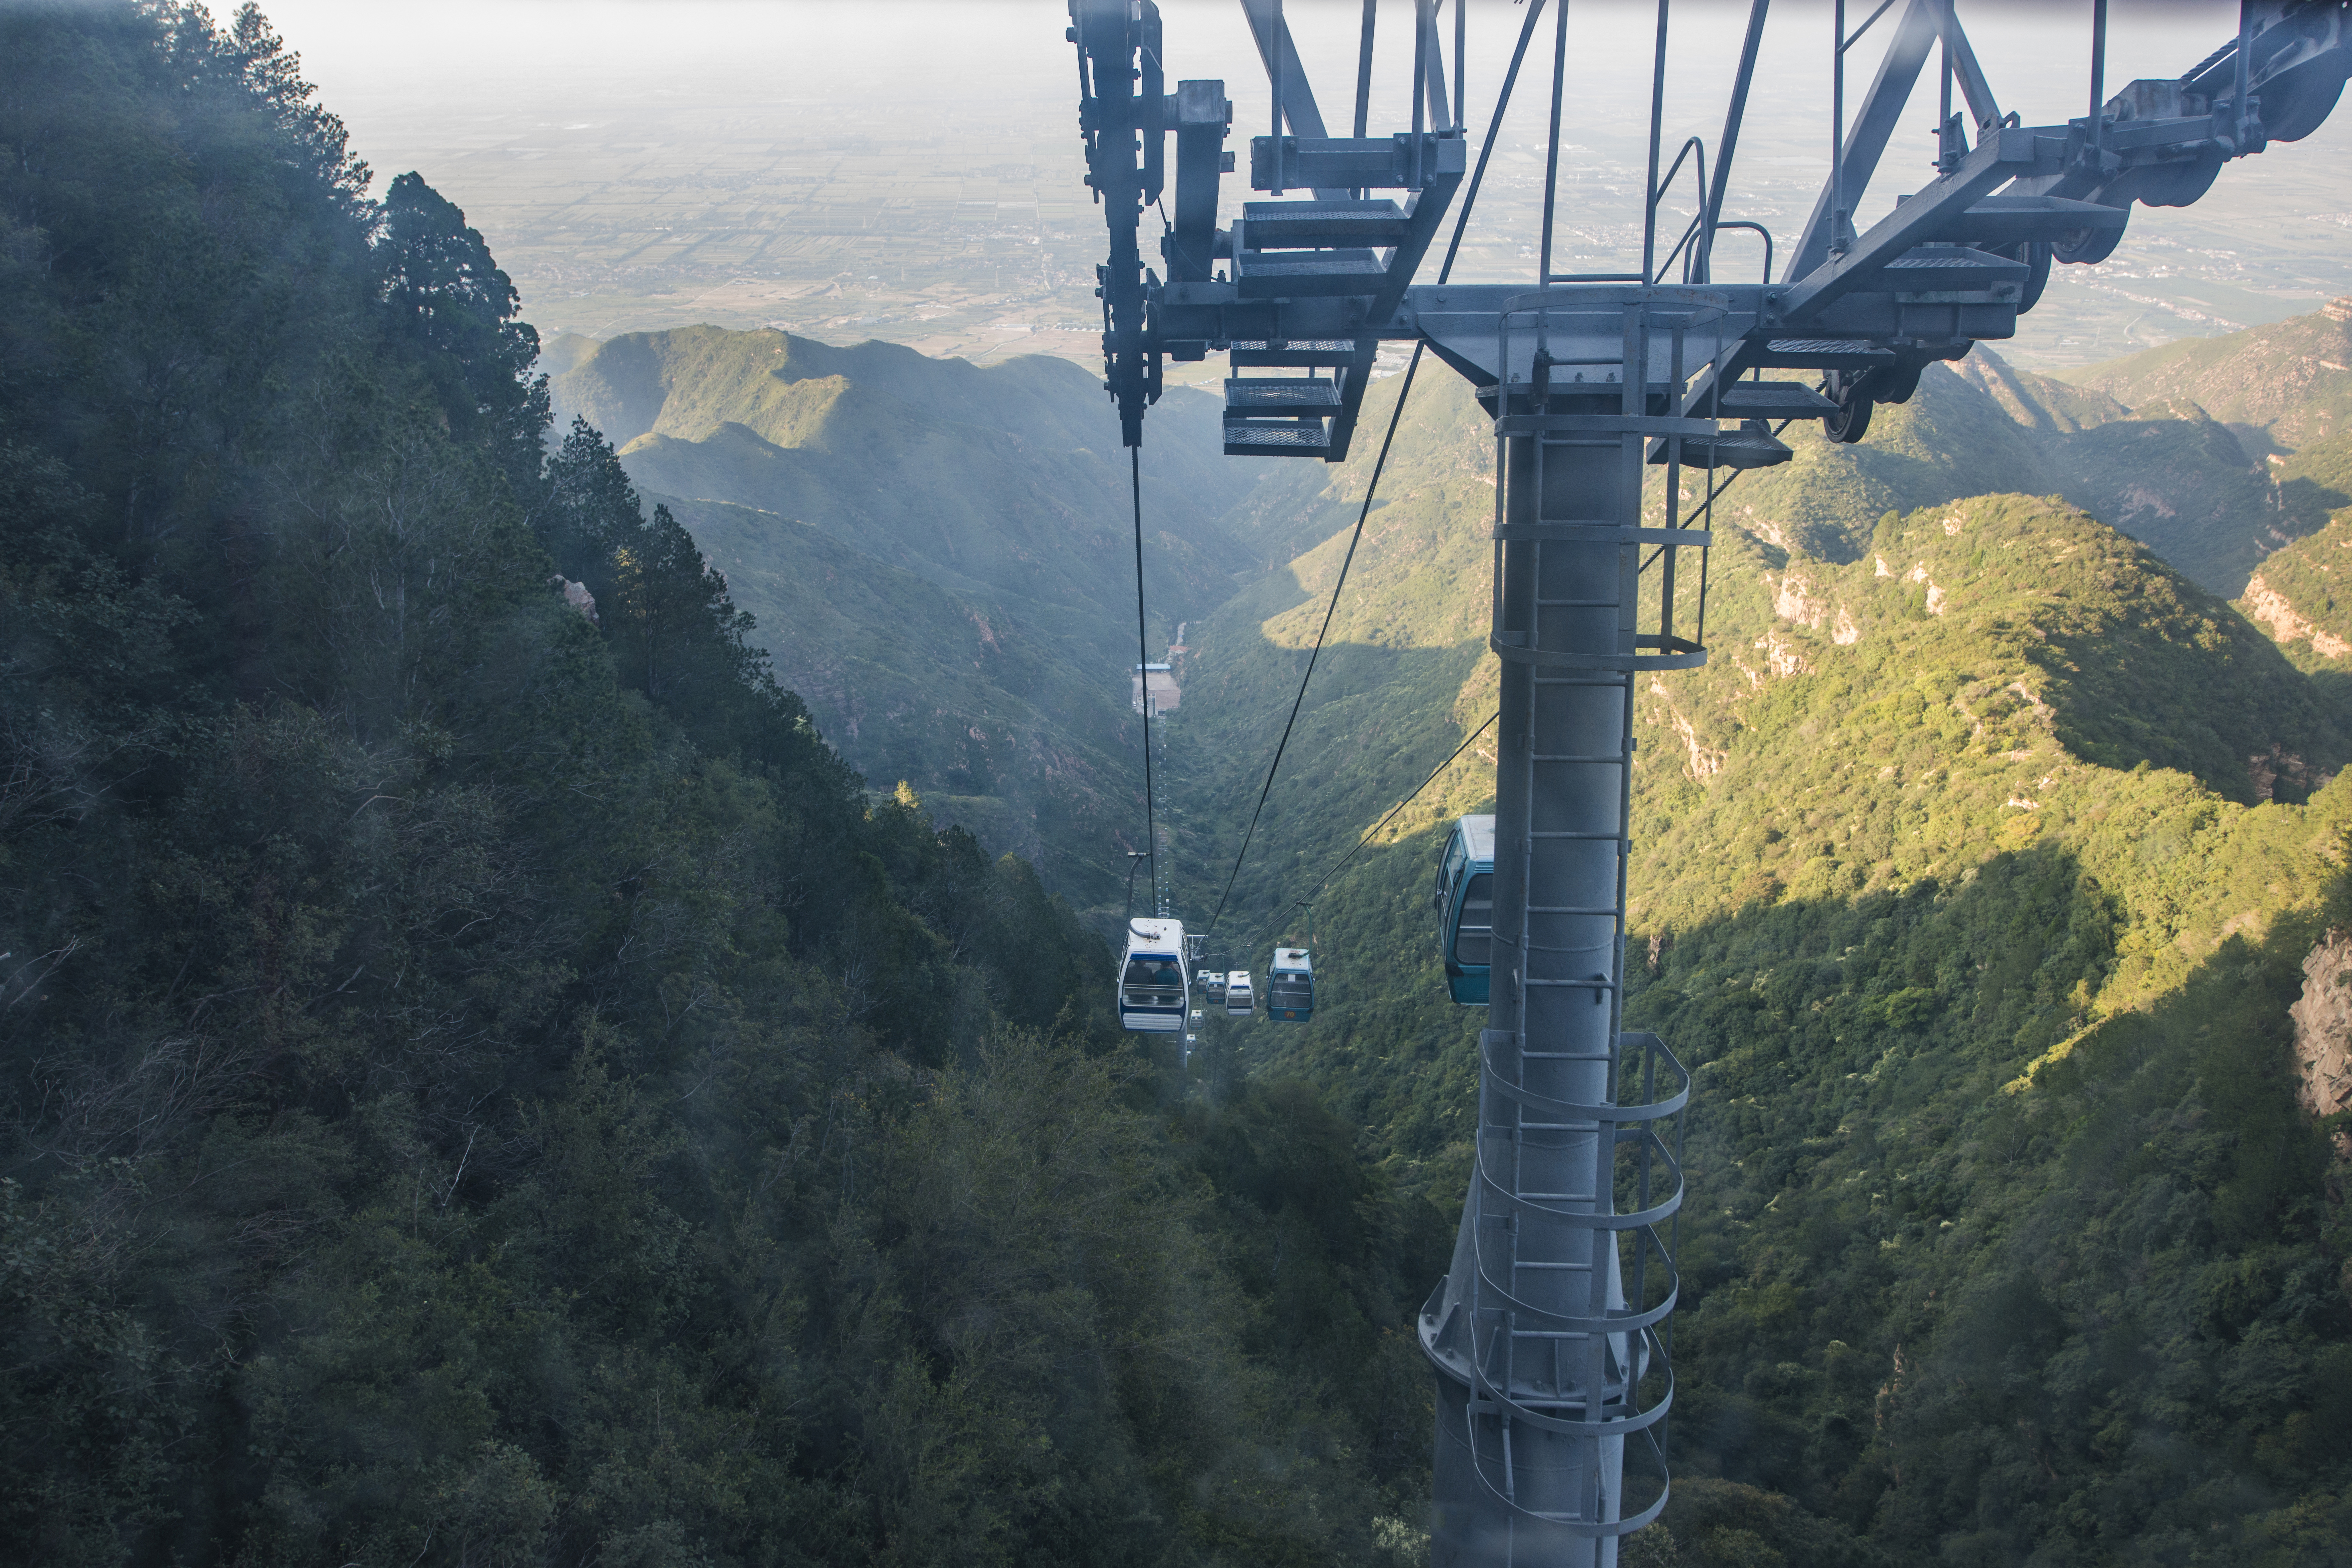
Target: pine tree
[{"x": 447, "y": 298}]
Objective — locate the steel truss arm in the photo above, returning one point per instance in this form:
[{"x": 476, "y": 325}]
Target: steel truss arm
[
  {"x": 1733, "y": 116},
  {"x": 1971, "y": 76},
  {"x": 2000, "y": 158},
  {"x": 1873, "y": 125},
  {"x": 1287, "y": 76}
]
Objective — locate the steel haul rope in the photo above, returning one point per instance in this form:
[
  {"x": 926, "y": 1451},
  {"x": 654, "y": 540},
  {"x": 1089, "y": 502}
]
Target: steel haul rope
[
  {"x": 1307, "y": 903},
  {"x": 1453, "y": 249},
  {"x": 1144, "y": 677}
]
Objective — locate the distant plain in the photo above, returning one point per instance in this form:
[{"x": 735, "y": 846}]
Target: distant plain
[{"x": 910, "y": 170}]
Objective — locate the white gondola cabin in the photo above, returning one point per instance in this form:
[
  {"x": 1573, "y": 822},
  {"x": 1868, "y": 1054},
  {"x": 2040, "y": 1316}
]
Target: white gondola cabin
[
  {"x": 1212, "y": 985},
  {"x": 1290, "y": 986},
  {"x": 1153, "y": 993},
  {"x": 1240, "y": 1001},
  {"x": 1466, "y": 908}
]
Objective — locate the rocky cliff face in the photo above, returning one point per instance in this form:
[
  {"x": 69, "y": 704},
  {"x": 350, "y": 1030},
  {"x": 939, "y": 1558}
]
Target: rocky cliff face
[
  {"x": 2323, "y": 1026},
  {"x": 2270, "y": 610}
]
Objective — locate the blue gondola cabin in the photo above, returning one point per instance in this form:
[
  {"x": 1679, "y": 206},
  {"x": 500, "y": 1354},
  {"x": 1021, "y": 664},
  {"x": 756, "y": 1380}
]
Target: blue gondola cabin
[
  {"x": 1466, "y": 908},
  {"x": 1152, "y": 991},
  {"x": 1290, "y": 986}
]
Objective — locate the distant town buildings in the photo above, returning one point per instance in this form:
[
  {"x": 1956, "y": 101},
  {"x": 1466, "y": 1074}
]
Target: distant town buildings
[{"x": 1161, "y": 679}]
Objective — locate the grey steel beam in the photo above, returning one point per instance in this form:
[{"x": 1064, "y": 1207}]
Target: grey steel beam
[
  {"x": 1432, "y": 76},
  {"x": 1429, "y": 207},
  {"x": 1874, "y": 124},
  {"x": 1279, "y": 53},
  {"x": 1201, "y": 118},
  {"x": 1734, "y": 115},
  {"x": 1974, "y": 88},
  {"x": 2008, "y": 154}
]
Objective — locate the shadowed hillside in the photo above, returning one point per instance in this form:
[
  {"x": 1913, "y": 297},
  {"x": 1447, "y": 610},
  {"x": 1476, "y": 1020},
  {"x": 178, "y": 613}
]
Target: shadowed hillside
[
  {"x": 2280, "y": 387},
  {"x": 2165, "y": 472},
  {"x": 484, "y": 1087},
  {"x": 940, "y": 556}
]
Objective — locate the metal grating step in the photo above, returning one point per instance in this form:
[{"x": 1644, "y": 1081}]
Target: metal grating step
[
  {"x": 1304, "y": 394},
  {"x": 1821, "y": 353},
  {"x": 1773, "y": 400},
  {"x": 1277, "y": 439},
  {"x": 2005, "y": 220},
  {"x": 1277, "y": 226},
  {"x": 1298, "y": 354},
  {"x": 1305, "y": 274},
  {"x": 1371, "y": 163},
  {"x": 1942, "y": 268}
]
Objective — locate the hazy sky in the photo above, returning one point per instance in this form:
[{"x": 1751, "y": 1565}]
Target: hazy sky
[
  {"x": 391, "y": 69},
  {"x": 529, "y": 112}
]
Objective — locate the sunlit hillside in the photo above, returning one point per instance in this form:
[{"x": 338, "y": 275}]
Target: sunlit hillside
[{"x": 1988, "y": 845}]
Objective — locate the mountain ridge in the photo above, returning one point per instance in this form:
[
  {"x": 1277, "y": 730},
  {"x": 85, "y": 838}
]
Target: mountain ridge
[{"x": 1002, "y": 489}]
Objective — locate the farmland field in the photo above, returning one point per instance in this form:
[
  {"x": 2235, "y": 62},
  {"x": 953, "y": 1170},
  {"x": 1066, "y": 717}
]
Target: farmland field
[{"x": 910, "y": 171}]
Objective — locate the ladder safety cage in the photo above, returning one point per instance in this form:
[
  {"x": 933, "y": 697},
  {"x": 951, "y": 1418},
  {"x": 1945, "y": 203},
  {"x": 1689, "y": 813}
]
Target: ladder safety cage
[{"x": 1602, "y": 1376}]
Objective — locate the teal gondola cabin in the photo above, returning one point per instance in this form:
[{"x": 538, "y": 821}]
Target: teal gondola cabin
[{"x": 1466, "y": 908}]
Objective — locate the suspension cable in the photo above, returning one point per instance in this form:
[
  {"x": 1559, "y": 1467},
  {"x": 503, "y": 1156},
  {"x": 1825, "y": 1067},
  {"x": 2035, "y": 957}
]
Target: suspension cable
[
  {"x": 1329, "y": 610},
  {"x": 1143, "y": 676},
  {"x": 1392, "y": 816},
  {"x": 1453, "y": 247},
  {"x": 1307, "y": 903}
]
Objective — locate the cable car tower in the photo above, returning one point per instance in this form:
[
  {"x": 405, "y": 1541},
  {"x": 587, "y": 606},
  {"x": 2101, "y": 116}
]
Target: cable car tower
[{"x": 1548, "y": 1336}]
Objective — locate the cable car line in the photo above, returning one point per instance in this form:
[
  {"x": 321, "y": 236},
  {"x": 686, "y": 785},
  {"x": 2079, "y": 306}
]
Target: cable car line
[
  {"x": 1308, "y": 901},
  {"x": 1551, "y": 1336},
  {"x": 1329, "y": 610},
  {"x": 1453, "y": 249},
  {"x": 1143, "y": 678}
]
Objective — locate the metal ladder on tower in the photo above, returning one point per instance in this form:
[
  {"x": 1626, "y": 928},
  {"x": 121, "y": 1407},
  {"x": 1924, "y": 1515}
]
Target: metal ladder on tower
[
  {"x": 1548, "y": 1330},
  {"x": 1342, "y": 248}
]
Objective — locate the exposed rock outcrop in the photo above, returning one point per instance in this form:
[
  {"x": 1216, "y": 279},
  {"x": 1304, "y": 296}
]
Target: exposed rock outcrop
[
  {"x": 2269, "y": 609},
  {"x": 2323, "y": 1028},
  {"x": 577, "y": 595},
  {"x": 1783, "y": 657},
  {"x": 1793, "y": 600}
]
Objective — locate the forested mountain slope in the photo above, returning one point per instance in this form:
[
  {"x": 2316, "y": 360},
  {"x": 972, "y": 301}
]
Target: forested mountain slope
[
  {"x": 2282, "y": 388},
  {"x": 2298, "y": 597},
  {"x": 1977, "y": 876},
  {"x": 940, "y": 556},
  {"x": 2165, "y": 472},
  {"x": 483, "y": 1084}
]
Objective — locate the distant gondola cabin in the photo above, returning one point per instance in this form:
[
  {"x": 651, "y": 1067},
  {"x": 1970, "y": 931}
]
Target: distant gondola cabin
[
  {"x": 1152, "y": 992},
  {"x": 1212, "y": 985},
  {"x": 1290, "y": 986},
  {"x": 1466, "y": 908},
  {"x": 1240, "y": 1000}
]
